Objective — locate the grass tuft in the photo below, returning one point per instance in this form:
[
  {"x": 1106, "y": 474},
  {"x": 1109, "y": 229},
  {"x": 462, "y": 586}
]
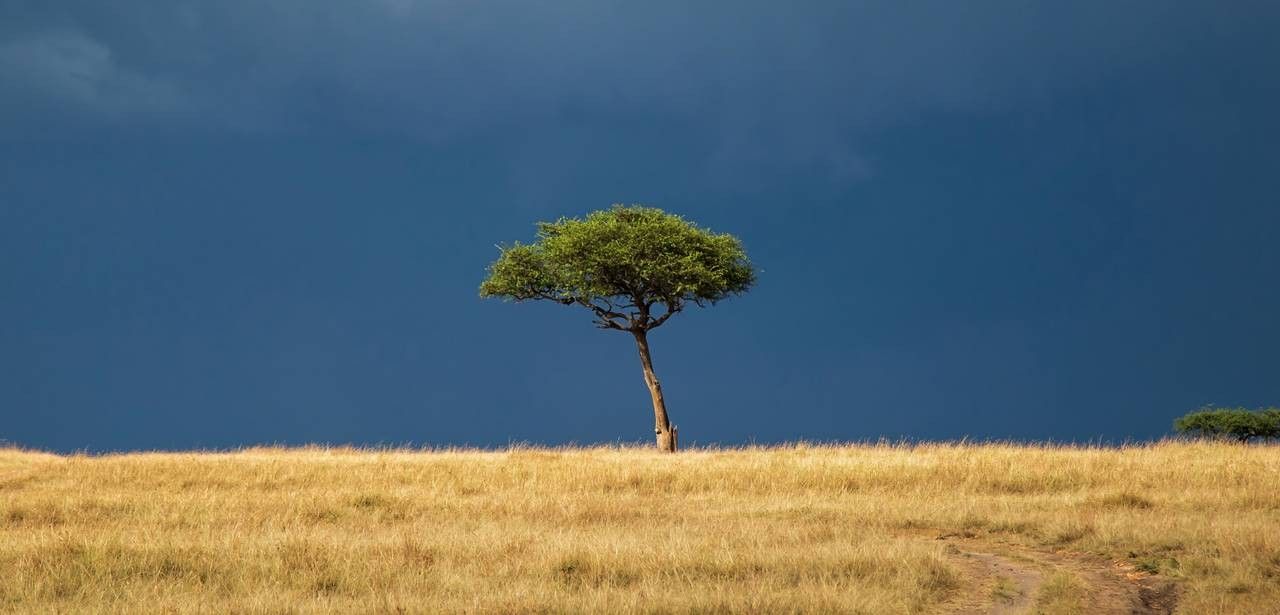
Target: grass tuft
[
  {"x": 1125, "y": 500},
  {"x": 1061, "y": 594}
]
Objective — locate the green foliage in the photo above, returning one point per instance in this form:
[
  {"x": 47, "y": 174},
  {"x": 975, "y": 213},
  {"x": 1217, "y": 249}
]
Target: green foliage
[
  {"x": 1231, "y": 423},
  {"x": 620, "y": 263}
]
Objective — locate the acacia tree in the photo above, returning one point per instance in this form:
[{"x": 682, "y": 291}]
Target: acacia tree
[
  {"x": 634, "y": 268},
  {"x": 1239, "y": 424}
]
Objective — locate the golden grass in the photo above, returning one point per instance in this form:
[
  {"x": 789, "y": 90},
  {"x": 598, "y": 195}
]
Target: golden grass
[
  {"x": 791, "y": 529},
  {"x": 1061, "y": 594}
]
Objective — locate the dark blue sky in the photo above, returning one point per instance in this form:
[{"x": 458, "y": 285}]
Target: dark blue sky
[{"x": 233, "y": 222}]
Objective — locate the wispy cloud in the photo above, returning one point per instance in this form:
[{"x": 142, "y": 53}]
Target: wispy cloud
[{"x": 72, "y": 68}]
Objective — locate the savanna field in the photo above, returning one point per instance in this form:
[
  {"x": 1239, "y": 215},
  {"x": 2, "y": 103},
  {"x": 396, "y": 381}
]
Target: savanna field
[{"x": 933, "y": 528}]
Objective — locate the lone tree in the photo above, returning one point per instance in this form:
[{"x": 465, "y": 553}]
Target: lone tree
[
  {"x": 622, "y": 264},
  {"x": 1238, "y": 424}
]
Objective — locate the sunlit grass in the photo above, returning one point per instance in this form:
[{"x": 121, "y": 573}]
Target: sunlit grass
[
  {"x": 803, "y": 528},
  {"x": 1061, "y": 594}
]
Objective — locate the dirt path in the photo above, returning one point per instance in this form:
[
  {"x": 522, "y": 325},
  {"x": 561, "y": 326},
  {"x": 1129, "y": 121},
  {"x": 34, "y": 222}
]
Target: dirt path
[{"x": 1009, "y": 579}]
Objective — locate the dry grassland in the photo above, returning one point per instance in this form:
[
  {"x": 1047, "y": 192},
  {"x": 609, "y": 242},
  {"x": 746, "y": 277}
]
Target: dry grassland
[{"x": 861, "y": 529}]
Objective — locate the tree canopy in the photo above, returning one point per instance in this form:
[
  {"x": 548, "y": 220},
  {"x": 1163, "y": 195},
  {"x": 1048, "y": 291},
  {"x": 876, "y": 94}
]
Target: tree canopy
[
  {"x": 622, "y": 263},
  {"x": 1235, "y": 423}
]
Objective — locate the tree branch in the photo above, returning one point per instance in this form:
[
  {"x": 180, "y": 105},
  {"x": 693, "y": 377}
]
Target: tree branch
[
  {"x": 606, "y": 316},
  {"x": 672, "y": 306}
]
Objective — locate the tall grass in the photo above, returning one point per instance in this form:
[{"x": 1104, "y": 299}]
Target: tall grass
[{"x": 801, "y": 528}]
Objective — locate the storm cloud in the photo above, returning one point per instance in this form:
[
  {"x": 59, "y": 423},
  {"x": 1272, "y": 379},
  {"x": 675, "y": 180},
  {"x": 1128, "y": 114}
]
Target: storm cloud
[
  {"x": 762, "y": 83},
  {"x": 236, "y": 221}
]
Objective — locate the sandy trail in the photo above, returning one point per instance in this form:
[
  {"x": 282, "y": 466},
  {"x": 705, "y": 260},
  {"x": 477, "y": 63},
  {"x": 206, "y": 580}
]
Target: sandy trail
[{"x": 1007, "y": 579}]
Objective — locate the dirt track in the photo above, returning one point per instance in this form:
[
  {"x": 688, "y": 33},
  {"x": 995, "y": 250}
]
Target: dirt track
[{"x": 1007, "y": 579}]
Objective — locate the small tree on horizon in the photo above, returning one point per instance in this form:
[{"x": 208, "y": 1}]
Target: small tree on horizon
[
  {"x": 634, "y": 268},
  {"x": 1240, "y": 424}
]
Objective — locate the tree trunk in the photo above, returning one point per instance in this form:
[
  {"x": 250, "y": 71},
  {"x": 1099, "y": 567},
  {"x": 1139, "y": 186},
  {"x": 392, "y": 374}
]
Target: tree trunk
[{"x": 662, "y": 427}]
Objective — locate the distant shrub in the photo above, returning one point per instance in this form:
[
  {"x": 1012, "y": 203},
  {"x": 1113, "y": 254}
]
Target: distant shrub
[{"x": 1239, "y": 424}]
